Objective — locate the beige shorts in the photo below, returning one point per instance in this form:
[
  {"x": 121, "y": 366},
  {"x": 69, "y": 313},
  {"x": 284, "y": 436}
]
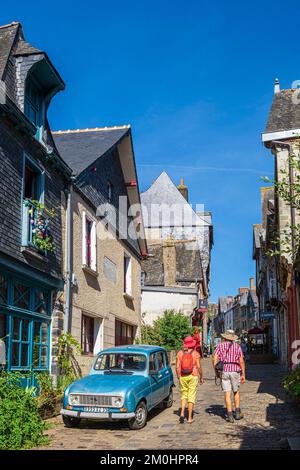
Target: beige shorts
[{"x": 231, "y": 381}]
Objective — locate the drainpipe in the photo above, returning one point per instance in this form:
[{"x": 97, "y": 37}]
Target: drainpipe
[{"x": 69, "y": 241}]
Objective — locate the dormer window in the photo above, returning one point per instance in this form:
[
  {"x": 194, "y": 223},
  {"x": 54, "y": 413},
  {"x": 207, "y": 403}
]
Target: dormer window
[{"x": 34, "y": 105}]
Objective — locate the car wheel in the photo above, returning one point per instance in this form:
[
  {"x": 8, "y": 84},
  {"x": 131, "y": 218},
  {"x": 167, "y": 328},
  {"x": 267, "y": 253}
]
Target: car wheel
[
  {"x": 71, "y": 422},
  {"x": 140, "y": 419},
  {"x": 169, "y": 400}
]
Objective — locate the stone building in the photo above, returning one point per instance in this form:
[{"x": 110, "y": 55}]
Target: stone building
[
  {"x": 33, "y": 178},
  {"x": 169, "y": 218},
  {"x": 172, "y": 279},
  {"x": 107, "y": 242},
  {"x": 266, "y": 276},
  {"x": 281, "y": 136},
  {"x": 167, "y": 212}
]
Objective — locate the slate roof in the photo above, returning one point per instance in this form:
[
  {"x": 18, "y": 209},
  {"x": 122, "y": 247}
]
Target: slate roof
[
  {"x": 254, "y": 297},
  {"x": 223, "y": 304},
  {"x": 81, "y": 148},
  {"x": 284, "y": 113},
  {"x": 7, "y": 38},
  {"x": 164, "y": 191},
  {"x": 24, "y": 48},
  {"x": 188, "y": 264}
]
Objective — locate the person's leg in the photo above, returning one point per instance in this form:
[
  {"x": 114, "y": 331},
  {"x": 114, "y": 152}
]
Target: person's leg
[
  {"x": 236, "y": 379},
  {"x": 184, "y": 397},
  {"x": 237, "y": 399},
  {"x": 190, "y": 410},
  {"x": 227, "y": 398},
  {"x": 227, "y": 388},
  {"x": 183, "y": 406},
  {"x": 192, "y": 394}
]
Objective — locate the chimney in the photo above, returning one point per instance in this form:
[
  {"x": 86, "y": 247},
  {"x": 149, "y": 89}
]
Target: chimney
[
  {"x": 242, "y": 290},
  {"x": 276, "y": 86},
  {"x": 183, "y": 190},
  {"x": 169, "y": 262},
  {"x": 252, "y": 287}
]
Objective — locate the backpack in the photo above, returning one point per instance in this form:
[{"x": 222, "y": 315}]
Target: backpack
[{"x": 187, "y": 363}]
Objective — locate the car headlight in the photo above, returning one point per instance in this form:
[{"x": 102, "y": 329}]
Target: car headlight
[
  {"x": 117, "y": 401},
  {"x": 74, "y": 399}
]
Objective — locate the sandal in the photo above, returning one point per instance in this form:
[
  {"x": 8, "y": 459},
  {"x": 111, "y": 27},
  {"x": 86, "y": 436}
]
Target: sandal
[{"x": 181, "y": 419}]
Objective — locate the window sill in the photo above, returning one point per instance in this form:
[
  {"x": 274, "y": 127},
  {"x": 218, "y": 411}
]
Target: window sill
[
  {"x": 128, "y": 296},
  {"x": 34, "y": 253},
  {"x": 90, "y": 271}
]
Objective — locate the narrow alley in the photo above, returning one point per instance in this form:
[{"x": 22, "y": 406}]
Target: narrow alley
[{"x": 270, "y": 418}]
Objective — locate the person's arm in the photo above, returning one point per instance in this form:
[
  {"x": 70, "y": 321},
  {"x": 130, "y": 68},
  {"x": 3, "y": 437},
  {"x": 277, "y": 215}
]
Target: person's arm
[
  {"x": 242, "y": 365},
  {"x": 199, "y": 367},
  {"x": 178, "y": 367},
  {"x": 215, "y": 357}
]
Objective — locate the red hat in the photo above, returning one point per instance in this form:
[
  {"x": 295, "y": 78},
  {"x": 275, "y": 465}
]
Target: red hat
[{"x": 189, "y": 342}]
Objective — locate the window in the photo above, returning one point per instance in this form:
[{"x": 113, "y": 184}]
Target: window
[
  {"x": 152, "y": 363},
  {"x": 127, "y": 275},
  {"x": 160, "y": 360},
  {"x": 20, "y": 342},
  {"x": 40, "y": 345},
  {"x": 33, "y": 189},
  {"x": 88, "y": 231},
  {"x": 124, "y": 333},
  {"x": 89, "y": 249},
  {"x": 87, "y": 335},
  {"x": 121, "y": 361},
  {"x": 34, "y": 106},
  {"x": 109, "y": 191}
]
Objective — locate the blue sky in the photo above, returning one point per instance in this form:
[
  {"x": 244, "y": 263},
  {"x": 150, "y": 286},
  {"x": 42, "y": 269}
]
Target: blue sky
[{"x": 195, "y": 81}]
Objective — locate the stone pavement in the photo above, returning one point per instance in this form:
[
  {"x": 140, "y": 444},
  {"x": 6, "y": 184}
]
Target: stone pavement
[{"x": 270, "y": 418}]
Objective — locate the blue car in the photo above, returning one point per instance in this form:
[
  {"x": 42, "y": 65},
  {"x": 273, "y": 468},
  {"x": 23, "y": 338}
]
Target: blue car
[{"x": 125, "y": 382}]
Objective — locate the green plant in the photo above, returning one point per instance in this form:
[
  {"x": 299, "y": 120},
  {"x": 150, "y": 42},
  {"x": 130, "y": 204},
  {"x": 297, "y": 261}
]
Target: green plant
[
  {"x": 21, "y": 426},
  {"x": 68, "y": 346},
  {"x": 289, "y": 192},
  {"x": 39, "y": 218},
  {"x": 292, "y": 383},
  {"x": 167, "y": 331}
]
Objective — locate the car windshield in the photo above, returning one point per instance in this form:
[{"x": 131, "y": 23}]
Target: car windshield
[{"x": 121, "y": 361}]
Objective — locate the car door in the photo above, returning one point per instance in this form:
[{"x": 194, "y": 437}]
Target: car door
[
  {"x": 164, "y": 373},
  {"x": 156, "y": 380}
]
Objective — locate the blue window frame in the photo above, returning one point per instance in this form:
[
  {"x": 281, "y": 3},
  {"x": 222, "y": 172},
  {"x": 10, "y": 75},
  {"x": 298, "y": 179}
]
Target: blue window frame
[
  {"x": 25, "y": 316},
  {"x": 34, "y": 105},
  {"x": 33, "y": 190}
]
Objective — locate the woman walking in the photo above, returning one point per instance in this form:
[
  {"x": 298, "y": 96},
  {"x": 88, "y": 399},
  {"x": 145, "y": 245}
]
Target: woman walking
[{"x": 189, "y": 372}]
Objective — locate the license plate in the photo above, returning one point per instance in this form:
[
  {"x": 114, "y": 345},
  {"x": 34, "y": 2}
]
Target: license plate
[{"x": 95, "y": 409}]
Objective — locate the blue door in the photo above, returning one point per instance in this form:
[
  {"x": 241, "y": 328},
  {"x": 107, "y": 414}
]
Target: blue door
[
  {"x": 156, "y": 381},
  {"x": 163, "y": 373}
]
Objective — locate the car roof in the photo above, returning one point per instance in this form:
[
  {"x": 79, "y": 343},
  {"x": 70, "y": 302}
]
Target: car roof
[{"x": 134, "y": 348}]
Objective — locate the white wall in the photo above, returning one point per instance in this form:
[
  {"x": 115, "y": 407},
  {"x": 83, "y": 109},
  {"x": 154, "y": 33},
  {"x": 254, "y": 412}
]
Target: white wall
[{"x": 154, "y": 303}]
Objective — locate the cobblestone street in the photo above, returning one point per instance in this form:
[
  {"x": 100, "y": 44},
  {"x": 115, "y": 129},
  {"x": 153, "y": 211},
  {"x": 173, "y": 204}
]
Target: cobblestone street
[{"x": 270, "y": 418}]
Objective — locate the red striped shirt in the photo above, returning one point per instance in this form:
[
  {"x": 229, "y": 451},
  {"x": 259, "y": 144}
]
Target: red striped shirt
[{"x": 231, "y": 355}]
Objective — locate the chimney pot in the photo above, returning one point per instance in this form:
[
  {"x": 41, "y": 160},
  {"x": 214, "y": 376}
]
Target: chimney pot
[{"x": 276, "y": 86}]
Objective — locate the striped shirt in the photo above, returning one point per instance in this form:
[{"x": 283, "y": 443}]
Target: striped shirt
[{"x": 231, "y": 355}]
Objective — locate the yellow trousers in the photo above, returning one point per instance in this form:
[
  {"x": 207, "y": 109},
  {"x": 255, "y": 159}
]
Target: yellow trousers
[{"x": 188, "y": 388}]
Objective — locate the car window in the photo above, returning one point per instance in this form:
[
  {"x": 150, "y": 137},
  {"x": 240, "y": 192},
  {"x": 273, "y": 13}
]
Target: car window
[
  {"x": 117, "y": 361},
  {"x": 152, "y": 365},
  {"x": 161, "y": 360}
]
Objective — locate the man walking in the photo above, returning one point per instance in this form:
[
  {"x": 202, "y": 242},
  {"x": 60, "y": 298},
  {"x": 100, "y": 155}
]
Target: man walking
[{"x": 232, "y": 372}]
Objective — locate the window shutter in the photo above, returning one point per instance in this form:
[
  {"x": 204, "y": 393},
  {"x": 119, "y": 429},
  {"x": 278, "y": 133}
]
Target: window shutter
[
  {"x": 84, "y": 252},
  {"x": 94, "y": 247}
]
